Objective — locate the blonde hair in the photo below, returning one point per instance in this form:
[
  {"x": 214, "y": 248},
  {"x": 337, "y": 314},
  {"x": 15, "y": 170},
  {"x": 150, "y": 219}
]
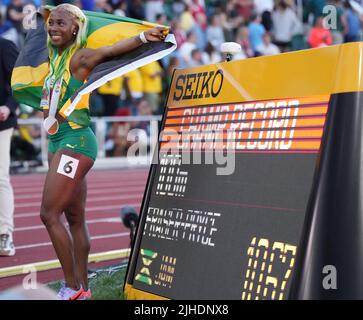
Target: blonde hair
[
  {"x": 80, "y": 19},
  {"x": 80, "y": 41}
]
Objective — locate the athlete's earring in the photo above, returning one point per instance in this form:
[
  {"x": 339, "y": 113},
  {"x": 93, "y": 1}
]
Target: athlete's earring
[{"x": 74, "y": 33}]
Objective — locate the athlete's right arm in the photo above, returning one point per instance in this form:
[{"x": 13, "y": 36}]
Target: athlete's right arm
[{"x": 85, "y": 60}]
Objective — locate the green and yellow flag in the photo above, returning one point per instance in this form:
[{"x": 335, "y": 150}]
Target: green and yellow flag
[{"x": 32, "y": 65}]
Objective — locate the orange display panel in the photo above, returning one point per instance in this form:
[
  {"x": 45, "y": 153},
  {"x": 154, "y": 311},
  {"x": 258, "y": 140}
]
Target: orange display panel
[{"x": 281, "y": 124}]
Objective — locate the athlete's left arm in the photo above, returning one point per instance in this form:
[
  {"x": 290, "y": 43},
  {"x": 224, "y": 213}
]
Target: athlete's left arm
[{"x": 85, "y": 60}]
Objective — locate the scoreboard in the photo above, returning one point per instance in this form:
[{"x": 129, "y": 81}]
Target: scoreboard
[{"x": 225, "y": 206}]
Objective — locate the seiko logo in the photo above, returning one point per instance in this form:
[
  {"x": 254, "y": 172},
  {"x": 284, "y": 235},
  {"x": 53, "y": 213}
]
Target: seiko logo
[{"x": 198, "y": 85}]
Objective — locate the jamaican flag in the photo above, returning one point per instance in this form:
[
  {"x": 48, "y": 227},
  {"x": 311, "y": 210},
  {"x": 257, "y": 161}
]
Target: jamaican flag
[{"x": 32, "y": 65}]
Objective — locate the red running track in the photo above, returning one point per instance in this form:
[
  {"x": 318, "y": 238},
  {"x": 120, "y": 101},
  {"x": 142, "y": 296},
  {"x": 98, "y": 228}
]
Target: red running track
[{"x": 108, "y": 191}]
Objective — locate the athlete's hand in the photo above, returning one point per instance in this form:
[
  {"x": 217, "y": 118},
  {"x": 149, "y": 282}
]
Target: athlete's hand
[
  {"x": 4, "y": 113},
  {"x": 156, "y": 34}
]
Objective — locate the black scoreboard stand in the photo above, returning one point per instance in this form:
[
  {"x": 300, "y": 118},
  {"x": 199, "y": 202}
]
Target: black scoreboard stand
[
  {"x": 330, "y": 260},
  {"x": 287, "y": 223}
]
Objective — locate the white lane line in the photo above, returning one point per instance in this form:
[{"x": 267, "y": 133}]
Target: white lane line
[
  {"x": 30, "y": 180},
  {"x": 90, "y": 199},
  {"x": 92, "y": 221},
  {"x": 35, "y": 190},
  {"x": 112, "y": 183},
  {"x": 91, "y": 209},
  {"x": 96, "y": 172},
  {"x": 45, "y": 244},
  {"x": 125, "y": 177},
  {"x": 93, "y": 174},
  {"x": 89, "y": 192},
  {"x": 55, "y": 264}
]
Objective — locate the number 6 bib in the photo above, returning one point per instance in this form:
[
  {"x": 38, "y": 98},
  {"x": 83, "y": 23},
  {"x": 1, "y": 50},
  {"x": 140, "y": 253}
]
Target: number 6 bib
[{"x": 67, "y": 166}]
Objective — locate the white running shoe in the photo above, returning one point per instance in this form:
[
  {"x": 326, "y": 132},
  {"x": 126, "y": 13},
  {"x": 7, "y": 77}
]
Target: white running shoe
[
  {"x": 7, "y": 247},
  {"x": 66, "y": 293}
]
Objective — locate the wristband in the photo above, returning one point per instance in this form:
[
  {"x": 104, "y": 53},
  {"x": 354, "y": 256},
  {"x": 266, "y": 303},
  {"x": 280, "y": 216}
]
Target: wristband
[{"x": 143, "y": 38}]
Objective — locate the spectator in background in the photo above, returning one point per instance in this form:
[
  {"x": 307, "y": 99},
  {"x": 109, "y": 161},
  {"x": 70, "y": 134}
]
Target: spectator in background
[
  {"x": 144, "y": 109},
  {"x": 211, "y": 55},
  {"x": 244, "y": 8},
  {"x": 200, "y": 32},
  {"x": 152, "y": 74},
  {"x": 135, "y": 9},
  {"x": 340, "y": 28},
  {"x": 285, "y": 24},
  {"x": 317, "y": 8},
  {"x": 178, "y": 8},
  {"x": 185, "y": 51},
  {"x": 196, "y": 59},
  {"x": 141, "y": 130},
  {"x": 8, "y": 56},
  {"x": 244, "y": 40},
  {"x": 77, "y": 3},
  {"x": 198, "y": 12},
  {"x": 133, "y": 83},
  {"x": 267, "y": 48},
  {"x": 319, "y": 36},
  {"x": 119, "y": 130},
  {"x": 153, "y": 8},
  {"x": 161, "y": 19},
  {"x": 179, "y": 33},
  {"x": 264, "y": 8},
  {"x": 16, "y": 16},
  {"x": 26, "y": 142},
  {"x": 7, "y": 31},
  {"x": 227, "y": 26},
  {"x": 256, "y": 31},
  {"x": 103, "y": 6},
  {"x": 113, "y": 5},
  {"x": 88, "y": 5},
  {"x": 110, "y": 95},
  {"x": 353, "y": 24},
  {"x": 215, "y": 34},
  {"x": 187, "y": 21},
  {"x": 121, "y": 9},
  {"x": 232, "y": 14},
  {"x": 173, "y": 64}
]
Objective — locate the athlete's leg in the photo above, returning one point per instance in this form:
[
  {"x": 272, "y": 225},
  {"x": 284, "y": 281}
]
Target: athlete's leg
[
  {"x": 58, "y": 194},
  {"x": 75, "y": 215}
]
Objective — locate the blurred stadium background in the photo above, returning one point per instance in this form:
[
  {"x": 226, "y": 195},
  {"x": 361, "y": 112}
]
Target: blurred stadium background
[
  {"x": 136, "y": 101},
  {"x": 262, "y": 27}
]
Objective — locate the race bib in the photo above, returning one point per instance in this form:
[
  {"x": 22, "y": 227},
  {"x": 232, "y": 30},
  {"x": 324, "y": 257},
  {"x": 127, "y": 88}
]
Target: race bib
[{"x": 68, "y": 166}]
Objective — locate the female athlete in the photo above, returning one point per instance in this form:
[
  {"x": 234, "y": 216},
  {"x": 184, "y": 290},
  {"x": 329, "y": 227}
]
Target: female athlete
[{"x": 72, "y": 148}]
